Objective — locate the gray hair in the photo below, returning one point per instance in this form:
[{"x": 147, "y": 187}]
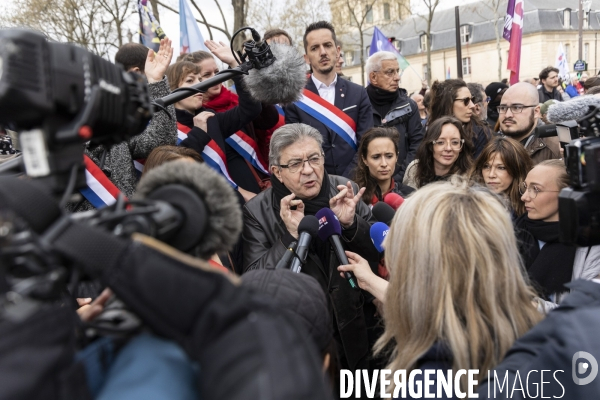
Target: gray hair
[
  {"x": 289, "y": 134},
  {"x": 477, "y": 92},
  {"x": 374, "y": 62}
]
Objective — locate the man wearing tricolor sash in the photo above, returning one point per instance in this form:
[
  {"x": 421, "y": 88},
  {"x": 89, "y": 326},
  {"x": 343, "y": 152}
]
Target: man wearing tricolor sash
[
  {"x": 110, "y": 172},
  {"x": 339, "y": 109}
]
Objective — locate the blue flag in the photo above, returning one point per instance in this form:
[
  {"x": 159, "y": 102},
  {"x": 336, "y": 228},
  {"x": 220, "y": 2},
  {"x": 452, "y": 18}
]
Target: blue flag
[
  {"x": 381, "y": 43},
  {"x": 190, "y": 38},
  {"x": 150, "y": 31}
]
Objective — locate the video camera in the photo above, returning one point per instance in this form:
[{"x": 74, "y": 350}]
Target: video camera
[{"x": 579, "y": 205}]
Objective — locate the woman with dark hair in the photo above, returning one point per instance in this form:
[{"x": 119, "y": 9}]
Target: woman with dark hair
[
  {"x": 202, "y": 129},
  {"x": 453, "y": 98},
  {"x": 445, "y": 150},
  {"x": 502, "y": 166},
  {"x": 378, "y": 156}
]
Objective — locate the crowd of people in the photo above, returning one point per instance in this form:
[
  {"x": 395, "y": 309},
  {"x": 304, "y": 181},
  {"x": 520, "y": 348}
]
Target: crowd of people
[{"x": 473, "y": 275}]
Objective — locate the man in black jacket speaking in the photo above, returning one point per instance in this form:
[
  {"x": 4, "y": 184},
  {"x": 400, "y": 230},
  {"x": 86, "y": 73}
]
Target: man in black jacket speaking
[
  {"x": 392, "y": 107},
  {"x": 301, "y": 186}
]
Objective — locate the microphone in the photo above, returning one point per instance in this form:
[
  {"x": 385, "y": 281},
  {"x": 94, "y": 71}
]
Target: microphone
[
  {"x": 383, "y": 212},
  {"x": 283, "y": 81},
  {"x": 210, "y": 216},
  {"x": 330, "y": 228},
  {"x": 394, "y": 200},
  {"x": 572, "y": 109},
  {"x": 378, "y": 232},
  {"x": 287, "y": 257},
  {"x": 307, "y": 228}
]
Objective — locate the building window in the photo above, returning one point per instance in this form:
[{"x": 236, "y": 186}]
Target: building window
[
  {"x": 567, "y": 18},
  {"x": 423, "y": 42},
  {"x": 386, "y": 11},
  {"x": 586, "y": 51},
  {"x": 397, "y": 45},
  {"x": 425, "y": 72},
  {"x": 586, "y": 19},
  {"x": 349, "y": 58},
  {"x": 369, "y": 16},
  {"x": 466, "y": 66},
  {"x": 465, "y": 34}
]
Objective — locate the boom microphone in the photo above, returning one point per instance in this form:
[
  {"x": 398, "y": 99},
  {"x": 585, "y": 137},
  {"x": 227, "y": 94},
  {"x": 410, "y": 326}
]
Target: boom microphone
[
  {"x": 185, "y": 185},
  {"x": 283, "y": 81},
  {"x": 307, "y": 229},
  {"x": 383, "y": 212},
  {"x": 394, "y": 200},
  {"x": 572, "y": 109},
  {"x": 378, "y": 232},
  {"x": 330, "y": 229}
]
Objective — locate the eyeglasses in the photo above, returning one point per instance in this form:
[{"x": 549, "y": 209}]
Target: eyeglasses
[
  {"x": 295, "y": 165},
  {"x": 515, "y": 108},
  {"x": 533, "y": 190},
  {"x": 466, "y": 100},
  {"x": 454, "y": 144},
  {"x": 390, "y": 73}
]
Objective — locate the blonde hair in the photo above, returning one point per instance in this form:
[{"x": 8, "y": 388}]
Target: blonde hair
[
  {"x": 456, "y": 278},
  {"x": 562, "y": 179}
]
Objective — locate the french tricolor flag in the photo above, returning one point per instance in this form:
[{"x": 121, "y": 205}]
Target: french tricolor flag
[{"x": 513, "y": 32}]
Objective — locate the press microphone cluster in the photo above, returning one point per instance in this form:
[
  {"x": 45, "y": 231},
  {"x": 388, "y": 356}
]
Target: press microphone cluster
[
  {"x": 378, "y": 233},
  {"x": 307, "y": 230}
]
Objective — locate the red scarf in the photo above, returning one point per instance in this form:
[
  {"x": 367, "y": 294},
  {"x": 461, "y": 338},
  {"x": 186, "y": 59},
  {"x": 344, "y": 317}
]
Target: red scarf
[{"x": 224, "y": 101}]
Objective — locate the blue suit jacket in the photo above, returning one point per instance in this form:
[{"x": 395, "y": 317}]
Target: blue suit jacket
[{"x": 340, "y": 157}]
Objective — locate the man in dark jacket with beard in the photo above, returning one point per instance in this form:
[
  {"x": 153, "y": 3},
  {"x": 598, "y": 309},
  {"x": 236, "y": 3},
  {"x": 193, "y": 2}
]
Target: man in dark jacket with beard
[
  {"x": 301, "y": 186},
  {"x": 392, "y": 107}
]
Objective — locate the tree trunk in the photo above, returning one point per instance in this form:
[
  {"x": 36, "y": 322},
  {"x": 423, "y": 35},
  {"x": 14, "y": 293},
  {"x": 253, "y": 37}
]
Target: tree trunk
[
  {"x": 155, "y": 9},
  {"x": 239, "y": 21},
  {"x": 362, "y": 58}
]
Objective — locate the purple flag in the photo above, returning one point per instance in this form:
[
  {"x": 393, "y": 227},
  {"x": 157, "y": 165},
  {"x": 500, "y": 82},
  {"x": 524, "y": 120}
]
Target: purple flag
[{"x": 508, "y": 20}]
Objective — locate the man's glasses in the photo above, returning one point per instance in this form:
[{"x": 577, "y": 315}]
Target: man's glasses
[
  {"x": 466, "y": 100},
  {"x": 455, "y": 144},
  {"x": 533, "y": 190},
  {"x": 295, "y": 165},
  {"x": 390, "y": 73},
  {"x": 515, "y": 108}
]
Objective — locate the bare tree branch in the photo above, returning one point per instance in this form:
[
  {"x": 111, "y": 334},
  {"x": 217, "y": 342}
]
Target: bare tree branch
[{"x": 197, "y": 20}]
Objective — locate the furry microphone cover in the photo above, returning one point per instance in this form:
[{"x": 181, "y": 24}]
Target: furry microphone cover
[
  {"x": 572, "y": 109},
  {"x": 224, "y": 214},
  {"x": 283, "y": 81}
]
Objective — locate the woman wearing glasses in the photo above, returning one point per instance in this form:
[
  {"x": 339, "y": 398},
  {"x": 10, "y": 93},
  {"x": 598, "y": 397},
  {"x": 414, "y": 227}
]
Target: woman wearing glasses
[
  {"x": 453, "y": 98},
  {"x": 377, "y": 157},
  {"x": 445, "y": 151},
  {"x": 502, "y": 166},
  {"x": 550, "y": 263}
]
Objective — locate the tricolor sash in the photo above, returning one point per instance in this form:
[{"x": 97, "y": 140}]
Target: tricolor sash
[
  {"x": 281, "y": 115},
  {"x": 247, "y": 148},
  {"x": 213, "y": 155},
  {"x": 100, "y": 191},
  {"x": 329, "y": 115},
  {"x": 138, "y": 165}
]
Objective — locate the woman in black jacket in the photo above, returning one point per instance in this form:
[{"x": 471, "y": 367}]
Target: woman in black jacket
[{"x": 206, "y": 131}]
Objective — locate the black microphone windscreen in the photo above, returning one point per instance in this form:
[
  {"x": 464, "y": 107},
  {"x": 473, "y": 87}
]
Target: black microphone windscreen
[
  {"x": 310, "y": 225},
  {"x": 383, "y": 212},
  {"x": 30, "y": 200},
  {"x": 223, "y": 213},
  {"x": 283, "y": 81}
]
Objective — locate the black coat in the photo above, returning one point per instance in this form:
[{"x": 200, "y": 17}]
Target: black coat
[
  {"x": 352, "y": 99},
  {"x": 404, "y": 116},
  {"x": 266, "y": 239},
  {"x": 545, "y": 96},
  {"x": 551, "y": 345},
  {"x": 220, "y": 127}
]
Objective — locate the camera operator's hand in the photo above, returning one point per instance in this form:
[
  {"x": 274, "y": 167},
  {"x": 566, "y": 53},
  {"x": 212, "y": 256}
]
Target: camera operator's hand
[
  {"x": 157, "y": 64},
  {"x": 222, "y": 52},
  {"x": 88, "y": 309},
  {"x": 200, "y": 120}
]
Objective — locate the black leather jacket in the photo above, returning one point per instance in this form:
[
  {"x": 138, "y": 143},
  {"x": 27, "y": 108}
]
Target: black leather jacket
[{"x": 266, "y": 238}]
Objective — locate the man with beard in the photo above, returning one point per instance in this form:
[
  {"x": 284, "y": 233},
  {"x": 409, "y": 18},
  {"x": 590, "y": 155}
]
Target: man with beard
[
  {"x": 519, "y": 113},
  {"x": 339, "y": 109}
]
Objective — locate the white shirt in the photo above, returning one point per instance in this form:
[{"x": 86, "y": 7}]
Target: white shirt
[{"x": 326, "y": 92}]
